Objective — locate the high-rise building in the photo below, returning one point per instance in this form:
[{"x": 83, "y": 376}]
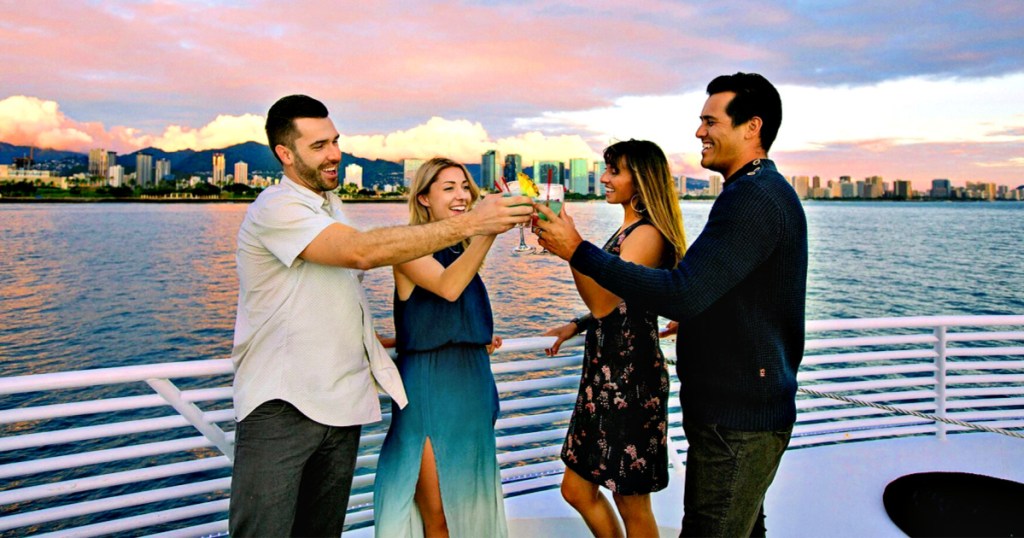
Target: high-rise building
[
  {"x": 715, "y": 185},
  {"x": 800, "y": 185},
  {"x": 144, "y": 170},
  {"x": 901, "y": 190},
  {"x": 488, "y": 169},
  {"x": 981, "y": 191},
  {"x": 598, "y": 172},
  {"x": 242, "y": 172},
  {"x": 940, "y": 188},
  {"x": 354, "y": 174},
  {"x": 513, "y": 166},
  {"x": 99, "y": 163},
  {"x": 579, "y": 176},
  {"x": 874, "y": 187},
  {"x": 542, "y": 170},
  {"x": 409, "y": 168},
  {"x": 679, "y": 182},
  {"x": 115, "y": 176},
  {"x": 218, "y": 168},
  {"x": 163, "y": 169}
]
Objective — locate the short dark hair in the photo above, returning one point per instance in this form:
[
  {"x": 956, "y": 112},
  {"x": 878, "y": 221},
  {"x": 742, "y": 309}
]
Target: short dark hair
[
  {"x": 281, "y": 119},
  {"x": 755, "y": 96}
]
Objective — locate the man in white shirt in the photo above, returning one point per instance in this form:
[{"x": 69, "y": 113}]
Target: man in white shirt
[{"x": 307, "y": 361}]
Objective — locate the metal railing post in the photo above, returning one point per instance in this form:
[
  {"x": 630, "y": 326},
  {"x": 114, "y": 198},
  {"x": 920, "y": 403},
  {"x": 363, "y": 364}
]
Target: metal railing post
[
  {"x": 193, "y": 414},
  {"x": 940, "y": 380}
]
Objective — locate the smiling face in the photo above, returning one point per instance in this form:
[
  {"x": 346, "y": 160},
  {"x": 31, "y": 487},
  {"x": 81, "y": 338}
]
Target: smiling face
[
  {"x": 313, "y": 159},
  {"x": 449, "y": 195},
  {"x": 618, "y": 183},
  {"x": 725, "y": 148}
]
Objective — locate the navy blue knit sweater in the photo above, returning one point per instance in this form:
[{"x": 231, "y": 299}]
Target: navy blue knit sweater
[{"x": 738, "y": 295}]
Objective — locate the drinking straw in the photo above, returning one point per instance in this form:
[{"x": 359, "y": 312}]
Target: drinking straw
[
  {"x": 547, "y": 195},
  {"x": 505, "y": 183}
]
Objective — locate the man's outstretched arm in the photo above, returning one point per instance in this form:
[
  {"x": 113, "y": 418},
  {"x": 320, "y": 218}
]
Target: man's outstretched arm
[
  {"x": 345, "y": 246},
  {"x": 742, "y": 231}
]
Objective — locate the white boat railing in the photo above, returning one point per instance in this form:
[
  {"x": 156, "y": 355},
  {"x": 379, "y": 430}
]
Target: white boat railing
[{"x": 146, "y": 449}]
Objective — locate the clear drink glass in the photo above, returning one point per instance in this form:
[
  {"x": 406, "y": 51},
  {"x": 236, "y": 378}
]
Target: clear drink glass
[
  {"x": 552, "y": 196},
  {"x": 513, "y": 189}
]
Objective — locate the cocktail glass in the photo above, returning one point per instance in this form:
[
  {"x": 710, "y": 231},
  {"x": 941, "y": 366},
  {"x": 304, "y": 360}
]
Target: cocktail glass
[
  {"x": 552, "y": 196},
  {"x": 513, "y": 189}
]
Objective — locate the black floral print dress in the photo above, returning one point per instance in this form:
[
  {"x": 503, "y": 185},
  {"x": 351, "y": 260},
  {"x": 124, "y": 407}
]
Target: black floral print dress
[{"x": 618, "y": 434}]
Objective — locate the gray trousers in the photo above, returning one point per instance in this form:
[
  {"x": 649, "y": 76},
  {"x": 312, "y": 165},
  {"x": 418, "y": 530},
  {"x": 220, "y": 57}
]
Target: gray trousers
[
  {"x": 292, "y": 476},
  {"x": 727, "y": 475}
]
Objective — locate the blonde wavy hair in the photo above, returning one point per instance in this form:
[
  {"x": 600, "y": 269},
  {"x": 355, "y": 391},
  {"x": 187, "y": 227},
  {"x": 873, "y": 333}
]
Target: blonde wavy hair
[
  {"x": 653, "y": 180},
  {"x": 426, "y": 175}
]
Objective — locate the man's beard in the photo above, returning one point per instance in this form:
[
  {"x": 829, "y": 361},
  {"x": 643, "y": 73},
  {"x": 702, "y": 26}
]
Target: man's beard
[{"x": 311, "y": 176}]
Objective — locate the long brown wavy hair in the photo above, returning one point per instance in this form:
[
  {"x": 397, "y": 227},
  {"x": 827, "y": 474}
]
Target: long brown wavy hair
[{"x": 649, "y": 167}]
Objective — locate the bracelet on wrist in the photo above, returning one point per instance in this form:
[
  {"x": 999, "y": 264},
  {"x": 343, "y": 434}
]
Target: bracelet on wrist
[{"x": 581, "y": 322}]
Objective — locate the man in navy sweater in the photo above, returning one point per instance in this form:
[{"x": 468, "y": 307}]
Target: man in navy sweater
[{"x": 738, "y": 296}]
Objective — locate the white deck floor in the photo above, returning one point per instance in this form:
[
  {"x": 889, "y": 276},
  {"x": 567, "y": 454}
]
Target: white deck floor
[{"x": 833, "y": 491}]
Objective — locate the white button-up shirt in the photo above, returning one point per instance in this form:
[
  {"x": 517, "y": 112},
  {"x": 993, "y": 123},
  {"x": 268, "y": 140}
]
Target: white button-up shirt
[{"x": 304, "y": 333}]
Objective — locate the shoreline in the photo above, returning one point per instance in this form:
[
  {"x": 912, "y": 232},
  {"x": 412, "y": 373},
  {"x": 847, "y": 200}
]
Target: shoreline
[
  {"x": 111, "y": 200},
  {"x": 140, "y": 200}
]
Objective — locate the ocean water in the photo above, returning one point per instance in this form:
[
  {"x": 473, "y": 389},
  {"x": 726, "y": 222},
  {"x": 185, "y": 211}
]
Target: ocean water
[
  {"x": 103, "y": 285},
  {"x": 99, "y": 285}
]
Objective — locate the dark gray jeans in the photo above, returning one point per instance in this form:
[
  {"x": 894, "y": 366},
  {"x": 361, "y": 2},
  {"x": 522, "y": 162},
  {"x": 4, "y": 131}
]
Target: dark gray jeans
[
  {"x": 727, "y": 475},
  {"x": 292, "y": 476}
]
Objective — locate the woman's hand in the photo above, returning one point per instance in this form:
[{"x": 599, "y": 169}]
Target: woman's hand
[
  {"x": 495, "y": 344},
  {"x": 561, "y": 334},
  {"x": 669, "y": 330}
]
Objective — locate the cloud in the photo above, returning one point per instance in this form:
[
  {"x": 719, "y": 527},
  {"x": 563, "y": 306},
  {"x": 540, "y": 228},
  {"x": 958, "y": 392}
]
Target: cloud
[
  {"x": 29, "y": 121},
  {"x": 871, "y": 121},
  {"x": 222, "y": 132},
  {"x": 919, "y": 163},
  {"x": 463, "y": 141},
  {"x": 37, "y": 122},
  {"x": 1014, "y": 162}
]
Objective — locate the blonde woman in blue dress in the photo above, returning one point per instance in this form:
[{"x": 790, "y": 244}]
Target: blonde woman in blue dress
[{"x": 438, "y": 473}]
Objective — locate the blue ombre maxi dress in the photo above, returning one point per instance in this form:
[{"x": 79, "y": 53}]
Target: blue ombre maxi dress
[{"x": 453, "y": 400}]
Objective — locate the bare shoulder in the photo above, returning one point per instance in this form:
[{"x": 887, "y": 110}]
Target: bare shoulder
[
  {"x": 644, "y": 245},
  {"x": 644, "y": 236}
]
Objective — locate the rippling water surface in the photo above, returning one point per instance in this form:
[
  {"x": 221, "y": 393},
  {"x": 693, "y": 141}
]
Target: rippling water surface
[
  {"x": 95, "y": 285},
  {"x": 102, "y": 285}
]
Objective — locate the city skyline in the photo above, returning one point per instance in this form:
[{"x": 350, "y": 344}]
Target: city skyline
[{"x": 864, "y": 94}]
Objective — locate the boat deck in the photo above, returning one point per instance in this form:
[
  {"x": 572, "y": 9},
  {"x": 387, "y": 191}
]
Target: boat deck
[
  {"x": 833, "y": 491},
  {"x": 146, "y": 449}
]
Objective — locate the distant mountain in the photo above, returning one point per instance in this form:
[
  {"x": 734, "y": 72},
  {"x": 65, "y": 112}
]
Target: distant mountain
[
  {"x": 9, "y": 152},
  {"x": 694, "y": 184},
  {"x": 259, "y": 158},
  {"x": 189, "y": 162}
]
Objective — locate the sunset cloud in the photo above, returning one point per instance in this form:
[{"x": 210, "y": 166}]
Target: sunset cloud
[
  {"x": 222, "y": 132},
  {"x": 537, "y": 77},
  {"x": 29, "y": 121},
  {"x": 463, "y": 141}
]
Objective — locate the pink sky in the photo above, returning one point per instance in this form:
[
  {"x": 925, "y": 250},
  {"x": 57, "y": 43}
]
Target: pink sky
[{"x": 544, "y": 78}]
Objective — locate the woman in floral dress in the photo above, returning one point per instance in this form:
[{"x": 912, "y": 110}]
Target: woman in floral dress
[{"x": 618, "y": 434}]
